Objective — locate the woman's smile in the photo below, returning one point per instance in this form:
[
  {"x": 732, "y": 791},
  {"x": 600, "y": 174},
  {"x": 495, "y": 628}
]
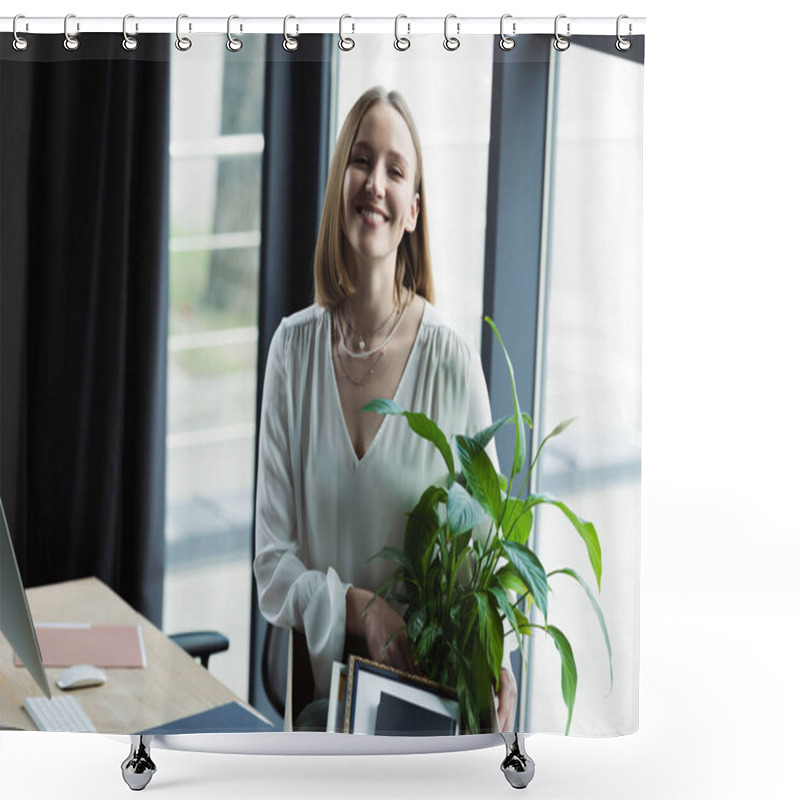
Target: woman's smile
[
  {"x": 379, "y": 195},
  {"x": 372, "y": 216}
]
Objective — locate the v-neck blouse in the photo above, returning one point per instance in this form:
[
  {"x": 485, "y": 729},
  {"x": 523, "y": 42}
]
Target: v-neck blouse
[{"x": 321, "y": 512}]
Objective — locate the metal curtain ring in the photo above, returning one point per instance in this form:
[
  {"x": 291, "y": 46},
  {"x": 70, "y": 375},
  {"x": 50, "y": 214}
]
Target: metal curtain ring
[
  {"x": 20, "y": 42},
  {"x": 401, "y": 42},
  {"x": 289, "y": 42},
  {"x": 128, "y": 42},
  {"x": 623, "y": 44},
  {"x": 560, "y": 43},
  {"x": 233, "y": 44},
  {"x": 71, "y": 42},
  {"x": 506, "y": 42},
  {"x": 345, "y": 42},
  {"x": 451, "y": 42},
  {"x": 182, "y": 42}
]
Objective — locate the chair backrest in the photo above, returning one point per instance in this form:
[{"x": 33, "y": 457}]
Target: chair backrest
[{"x": 274, "y": 661}]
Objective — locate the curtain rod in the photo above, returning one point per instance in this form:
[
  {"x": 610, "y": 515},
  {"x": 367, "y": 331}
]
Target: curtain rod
[{"x": 461, "y": 26}]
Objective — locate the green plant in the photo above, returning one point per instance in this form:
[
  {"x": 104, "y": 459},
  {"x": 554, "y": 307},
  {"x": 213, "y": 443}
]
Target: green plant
[{"x": 466, "y": 573}]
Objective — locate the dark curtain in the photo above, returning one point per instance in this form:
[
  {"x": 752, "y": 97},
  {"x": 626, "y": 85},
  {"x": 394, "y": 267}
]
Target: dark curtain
[
  {"x": 83, "y": 286},
  {"x": 296, "y": 120}
]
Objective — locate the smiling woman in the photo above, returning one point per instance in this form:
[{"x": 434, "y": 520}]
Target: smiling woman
[
  {"x": 379, "y": 127},
  {"x": 335, "y": 483},
  {"x": 379, "y": 205},
  {"x": 380, "y": 199}
]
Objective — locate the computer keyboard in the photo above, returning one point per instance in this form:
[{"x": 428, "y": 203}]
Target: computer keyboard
[{"x": 61, "y": 713}]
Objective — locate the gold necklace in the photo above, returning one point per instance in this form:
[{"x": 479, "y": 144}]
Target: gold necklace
[
  {"x": 382, "y": 345},
  {"x": 366, "y": 376},
  {"x": 361, "y": 343}
]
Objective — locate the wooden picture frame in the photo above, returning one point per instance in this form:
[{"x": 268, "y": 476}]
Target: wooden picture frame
[{"x": 386, "y": 701}]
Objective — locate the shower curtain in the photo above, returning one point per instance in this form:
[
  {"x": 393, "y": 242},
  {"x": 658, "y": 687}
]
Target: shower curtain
[{"x": 183, "y": 376}]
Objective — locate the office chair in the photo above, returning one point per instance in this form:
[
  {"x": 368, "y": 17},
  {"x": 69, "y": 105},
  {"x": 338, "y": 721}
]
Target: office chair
[
  {"x": 274, "y": 661},
  {"x": 201, "y": 644}
]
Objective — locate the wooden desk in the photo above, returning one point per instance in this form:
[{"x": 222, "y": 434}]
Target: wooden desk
[{"x": 173, "y": 685}]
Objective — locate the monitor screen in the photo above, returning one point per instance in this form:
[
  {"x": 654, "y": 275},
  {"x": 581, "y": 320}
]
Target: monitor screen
[{"x": 15, "y": 616}]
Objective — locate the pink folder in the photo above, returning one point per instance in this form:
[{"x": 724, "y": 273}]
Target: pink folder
[{"x": 98, "y": 645}]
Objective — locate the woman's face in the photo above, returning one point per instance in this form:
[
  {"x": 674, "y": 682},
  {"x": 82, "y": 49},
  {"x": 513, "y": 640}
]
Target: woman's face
[{"x": 380, "y": 201}]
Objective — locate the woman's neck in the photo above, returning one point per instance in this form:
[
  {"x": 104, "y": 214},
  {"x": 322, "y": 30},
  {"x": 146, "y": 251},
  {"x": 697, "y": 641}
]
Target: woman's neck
[{"x": 374, "y": 298}]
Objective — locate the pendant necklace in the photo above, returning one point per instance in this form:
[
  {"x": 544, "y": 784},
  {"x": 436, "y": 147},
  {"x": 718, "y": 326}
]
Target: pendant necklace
[
  {"x": 368, "y": 374},
  {"x": 361, "y": 343},
  {"x": 382, "y": 345}
]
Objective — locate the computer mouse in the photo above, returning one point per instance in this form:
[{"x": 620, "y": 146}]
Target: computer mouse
[{"x": 80, "y": 676}]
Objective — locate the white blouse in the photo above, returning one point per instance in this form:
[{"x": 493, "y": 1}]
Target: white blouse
[{"x": 321, "y": 513}]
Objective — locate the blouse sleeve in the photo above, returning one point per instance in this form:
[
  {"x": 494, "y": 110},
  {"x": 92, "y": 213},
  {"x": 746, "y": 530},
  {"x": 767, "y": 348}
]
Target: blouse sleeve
[{"x": 290, "y": 594}]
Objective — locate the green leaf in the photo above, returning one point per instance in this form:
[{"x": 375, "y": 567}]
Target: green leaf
[
  {"x": 523, "y": 623},
  {"x": 584, "y": 528},
  {"x": 393, "y": 554},
  {"x": 480, "y": 474},
  {"x": 490, "y": 628},
  {"x": 466, "y": 701},
  {"x": 531, "y": 571},
  {"x": 569, "y": 672},
  {"x": 429, "y": 636},
  {"x": 487, "y": 434},
  {"x": 481, "y": 677},
  {"x": 517, "y": 520},
  {"x": 421, "y": 527},
  {"x": 463, "y": 510},
  {"x": 527, "y": 419},
  {"x": 508, "y": 610},
  {"x": 384, "y": 406},
  {"x": 597, "y": 610},
  {"x": 519, "y": 441},
  {"x": 421, "y": 425},
  {"x": 415, "y": 624},
  {"x": 509, "y": 578},
  {"x": 385, "y": 591},
  {"x": 504, "y": 604}
]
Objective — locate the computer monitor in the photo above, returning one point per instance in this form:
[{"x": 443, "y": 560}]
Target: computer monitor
[{"x": 15, "y": 615}]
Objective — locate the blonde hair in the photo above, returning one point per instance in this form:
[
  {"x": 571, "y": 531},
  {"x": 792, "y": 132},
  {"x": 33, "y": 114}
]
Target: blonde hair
[{"x": 332, "y": 282}]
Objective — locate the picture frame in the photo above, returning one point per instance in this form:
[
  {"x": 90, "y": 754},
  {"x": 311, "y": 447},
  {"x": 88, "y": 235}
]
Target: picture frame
[{"x": 385, "y": 701}]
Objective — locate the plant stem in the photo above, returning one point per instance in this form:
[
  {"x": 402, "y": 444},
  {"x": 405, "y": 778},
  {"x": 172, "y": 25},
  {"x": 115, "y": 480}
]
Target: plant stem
[{"x": 521, "y": 598}]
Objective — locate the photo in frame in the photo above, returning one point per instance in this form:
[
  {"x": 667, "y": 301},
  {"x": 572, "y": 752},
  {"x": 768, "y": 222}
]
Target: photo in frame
[{"x": 385, "y": 701}]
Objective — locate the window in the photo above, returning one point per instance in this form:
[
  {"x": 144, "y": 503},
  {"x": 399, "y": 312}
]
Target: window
[
  {"x": 455, "y": 152},
  {"x": 216, "y": 152},
  {"x": 592, "y": 370}
]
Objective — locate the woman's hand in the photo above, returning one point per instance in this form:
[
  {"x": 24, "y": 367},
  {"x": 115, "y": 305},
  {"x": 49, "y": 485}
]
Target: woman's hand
[
  {"x": 506, "y": 699},
  {"x": 380, "y": 623}
]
